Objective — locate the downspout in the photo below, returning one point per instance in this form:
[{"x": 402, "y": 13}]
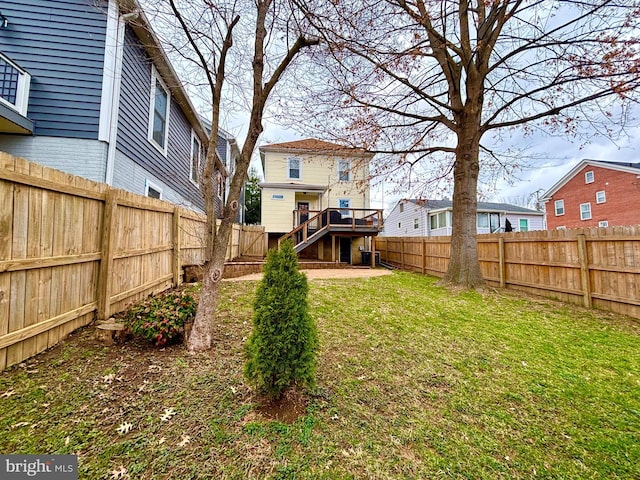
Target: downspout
[{"x": 115, "y": 94}]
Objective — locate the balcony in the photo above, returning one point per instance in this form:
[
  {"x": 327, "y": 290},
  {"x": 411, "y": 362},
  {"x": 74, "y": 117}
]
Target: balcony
[{"x": 14, "y": 98}]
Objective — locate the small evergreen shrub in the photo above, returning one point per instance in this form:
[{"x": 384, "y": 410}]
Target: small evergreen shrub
[
  {"x": 161, "y": 319},
  {"x": 281, "y": 350}
]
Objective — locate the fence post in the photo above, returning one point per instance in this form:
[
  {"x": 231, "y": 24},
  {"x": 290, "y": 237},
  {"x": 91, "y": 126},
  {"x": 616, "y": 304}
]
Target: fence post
[
  {"x": 177, "y": 278},
  {"x": 503, "y": 270},
  {"x": 584, "y": 269},
  {"x": 106, "y": 256},
  {"x": 424, "y": 256},
  {"x": 402, "y": 253}
]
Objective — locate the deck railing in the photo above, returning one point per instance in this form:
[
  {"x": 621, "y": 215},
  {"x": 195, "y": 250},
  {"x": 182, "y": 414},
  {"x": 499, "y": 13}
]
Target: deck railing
[{"x": 14, "y": 85}]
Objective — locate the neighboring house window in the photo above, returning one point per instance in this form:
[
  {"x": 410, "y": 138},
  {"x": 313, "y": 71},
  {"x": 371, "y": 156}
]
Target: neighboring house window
[
  {"x": 588, "y": 177},
  {"x": 196, "y": 155},
  {"x": 416, "y": 224},
  {"x": 14, "y": 85},
  {"x": 344, "y": 170},
  {"x": 603, "y": 223},
  {"x": 483, "y": 220},
  {"x": 601, "y": 197},
  {"x": 159, "y": 112},
  {"x": 559, "y": 204},
  {"x": 344, "y": 203},
  {"x": 561, "y": 227},
  {"x": 585, "y": 211},
  {"x": 152, "y": 190},
  {"x": 524, "y": 224},
  {"x": 294, "y": 168},
  {"x": 438, "y": 220},
  {"x": 399, "y": 224},
  {"x": 401, "y": 207},
  {"x": 277, "y": 196}
]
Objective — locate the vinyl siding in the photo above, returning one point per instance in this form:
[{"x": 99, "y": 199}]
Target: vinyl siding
[
  {"x": 133, "y": 124},
  {"x": 277, "y": 215},
  {"x": 61, "y": 44}
]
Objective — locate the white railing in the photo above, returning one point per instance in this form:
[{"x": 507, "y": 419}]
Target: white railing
[{"x": 14, "y": 85}]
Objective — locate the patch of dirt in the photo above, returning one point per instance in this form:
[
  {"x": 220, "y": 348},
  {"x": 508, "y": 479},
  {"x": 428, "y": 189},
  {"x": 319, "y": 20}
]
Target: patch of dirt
[
  {"x": 325, "y": 273},
  {"x": 287, "y": 409}
]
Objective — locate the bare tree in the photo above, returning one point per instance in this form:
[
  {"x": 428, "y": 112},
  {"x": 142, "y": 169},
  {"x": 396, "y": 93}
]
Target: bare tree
[
  {"x": 203, "y": 32},
  {"x": 428, "y": 80}
]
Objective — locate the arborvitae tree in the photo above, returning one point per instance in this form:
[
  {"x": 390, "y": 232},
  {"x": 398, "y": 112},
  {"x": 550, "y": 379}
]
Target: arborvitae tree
[{"x": 281, "y": 351}]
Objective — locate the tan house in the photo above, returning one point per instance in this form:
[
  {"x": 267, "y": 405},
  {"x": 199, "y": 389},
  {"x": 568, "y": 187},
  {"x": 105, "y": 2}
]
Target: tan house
[{"x": 317, "y": 193}]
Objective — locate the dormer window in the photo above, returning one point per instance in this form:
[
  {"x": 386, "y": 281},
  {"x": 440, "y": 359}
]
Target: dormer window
[
  {"x": 588, "y": 177},
  {"x": 293, "y": 168}
]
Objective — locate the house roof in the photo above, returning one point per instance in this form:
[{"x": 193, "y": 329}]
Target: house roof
[
  {"x": 313, "y": 145},
  {"x": 628, "y": 167},
  {"x": 153, "y": 47},
  {"x": 482, "y": 206}
]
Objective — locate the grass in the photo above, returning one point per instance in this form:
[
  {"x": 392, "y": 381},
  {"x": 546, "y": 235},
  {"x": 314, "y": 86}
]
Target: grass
[{"x": 413, "y": 382}]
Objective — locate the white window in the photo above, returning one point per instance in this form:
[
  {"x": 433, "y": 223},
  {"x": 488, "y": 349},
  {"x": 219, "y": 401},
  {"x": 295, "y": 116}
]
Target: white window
[
  {"x": 559, "y": 204},
  {"x": 601, "y": 197},
  {"x": 196, "y": 157},
  {"x": 219, "y": 185},
  {"x": 159, "y": 112},
  {"x": 588, "y": 177},
  {"x": 293, "y": 168},
  {"x": 561, "y": 227},
  {"x": 344, "y": 203},
  {"x": 344, "y": 170},
  {"x": 585, "y": 211},
  {"x": 401, "y": 207},
  {"x": 603, "y": 223},
  {"x": 438, "y": 220},
  {"x": 277, "y": 196},
  {"x": 14, "y": 86},
  {"x": 524, "y": 224},
  {"x": 483, "y": 220},
  {"x": 416, "y": 224},
  {"x": 152, "y": 190}
]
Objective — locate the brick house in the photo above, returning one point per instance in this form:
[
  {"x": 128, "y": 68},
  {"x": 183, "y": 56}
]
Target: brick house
[{"x": 595, "y": 194}]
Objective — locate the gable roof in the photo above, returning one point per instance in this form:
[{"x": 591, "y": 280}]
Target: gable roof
[
  {"x": 313, "y": 145},
  {"x": 150, "y": 42},
  {"x": 482, "y": 206},
  {"x": 628, "y": 167}
]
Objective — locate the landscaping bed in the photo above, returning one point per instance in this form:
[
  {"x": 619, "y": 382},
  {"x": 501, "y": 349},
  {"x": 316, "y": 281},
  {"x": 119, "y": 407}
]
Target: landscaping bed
[{"x": 413, "y": 382}]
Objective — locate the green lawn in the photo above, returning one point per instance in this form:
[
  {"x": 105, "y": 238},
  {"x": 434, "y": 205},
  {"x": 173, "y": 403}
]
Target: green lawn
[{"x": 413, "y": 382}]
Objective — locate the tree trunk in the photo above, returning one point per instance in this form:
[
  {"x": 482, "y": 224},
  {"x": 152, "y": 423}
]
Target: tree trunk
[{"x": 464, "y": 267}]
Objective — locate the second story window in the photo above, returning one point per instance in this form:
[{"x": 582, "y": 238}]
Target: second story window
[
  {"x": 159, "y": 112},
  {"x": 293, "y": 168},
  {"x": 559, "y": 204},
  {"x": 344, "y": 170},
  {"x": 588, "y": 177},
  {"x": 196, "y": 155},
  {"x": 601, "y": 197}
]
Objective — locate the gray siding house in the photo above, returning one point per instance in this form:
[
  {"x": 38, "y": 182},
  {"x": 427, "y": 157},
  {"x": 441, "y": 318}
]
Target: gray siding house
[
  {"x": 86, "y": 88},
  {"x": 430, "y": 218}
]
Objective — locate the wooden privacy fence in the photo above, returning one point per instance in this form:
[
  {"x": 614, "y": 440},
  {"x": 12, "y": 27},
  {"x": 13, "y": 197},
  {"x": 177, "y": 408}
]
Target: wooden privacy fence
[
  {"x": 596, "y": 267},
  {"x": 71, "y": 248}
]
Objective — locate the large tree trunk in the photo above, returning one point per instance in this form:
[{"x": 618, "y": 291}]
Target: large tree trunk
[{"x": 464, "y": 267}]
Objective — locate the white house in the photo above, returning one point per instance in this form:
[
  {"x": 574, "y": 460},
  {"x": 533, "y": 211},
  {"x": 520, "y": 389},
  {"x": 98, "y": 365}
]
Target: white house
[{"x": 429, "y": 218}]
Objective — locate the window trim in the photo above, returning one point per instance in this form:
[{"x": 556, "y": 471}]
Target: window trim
[
  {"x": 437, "y": 216},
  {"x": 484, "y": 215},
  {"x": 340, "y": 200},
  {"x": 194, "y": 138},
  {"x": 555, "y": 207},
  {"x": 148, "y": 184},
  {"x": 520, "y": 220},
  {"x": 155, "y": 77},
  {"x": 348, "y": 170},
  {"x": 299, "y": 159},
  {"x": 601, "y": 222},
  {"x": 604, "y": 197},
  {"x": 586, "y": 177},
  {"x": 583, "y": 217}
]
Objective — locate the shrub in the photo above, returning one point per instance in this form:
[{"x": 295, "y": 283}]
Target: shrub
[
  {"x": 281, "y": 350},
  {"x": 161, "y": 319}
]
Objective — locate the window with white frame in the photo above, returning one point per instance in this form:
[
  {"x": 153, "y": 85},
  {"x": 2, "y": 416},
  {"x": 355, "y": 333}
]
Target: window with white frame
[
  {"x": 159, "y": 112},
  {"x": 438, "y": 220},
  {"x": 483, "y": 220},
  {"x": 401, "y": 207},
  {"x": 344, "y": 203},
  {"x": 219, "y": 185},
  {"x": 601, "y": 197},
  {"x": 196, "y": 158},
  {"x": 588, "y": 177},
  {"x": 152, "y": 190},
  {"x": 603, "y": 223},
  {"x": 344, "y": 170},
  {"x": 524, "y": 225},
  {"x": 293, "y": 168},
  {"x": 585, "y": 211},
  {"x": 561, "y": 227},
  {"x": 559, "y": 205},
  {"x": 416, "y": 224}
]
